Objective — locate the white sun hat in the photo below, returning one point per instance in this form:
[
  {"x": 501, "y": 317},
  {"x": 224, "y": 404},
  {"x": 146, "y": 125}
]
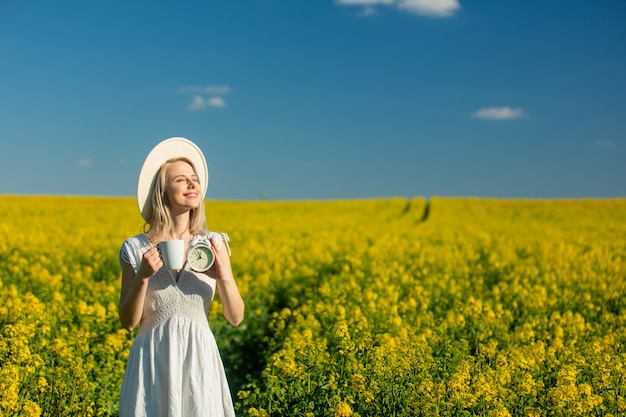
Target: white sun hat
[{"x": 175, "y": 147}]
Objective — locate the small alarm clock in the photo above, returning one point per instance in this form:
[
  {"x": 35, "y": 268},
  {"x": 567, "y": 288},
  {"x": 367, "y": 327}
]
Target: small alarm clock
[{"x": 200, "y": 256}]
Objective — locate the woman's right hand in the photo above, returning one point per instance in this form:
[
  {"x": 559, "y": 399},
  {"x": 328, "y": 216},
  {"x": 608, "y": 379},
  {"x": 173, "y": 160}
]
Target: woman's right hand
[
  {"x": 150, "y": 263},
  {"x": 134, "y": 287}
]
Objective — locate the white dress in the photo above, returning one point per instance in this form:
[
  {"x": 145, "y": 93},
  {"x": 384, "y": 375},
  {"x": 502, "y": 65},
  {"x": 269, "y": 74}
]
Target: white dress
[{"x": 174, "y": 368}]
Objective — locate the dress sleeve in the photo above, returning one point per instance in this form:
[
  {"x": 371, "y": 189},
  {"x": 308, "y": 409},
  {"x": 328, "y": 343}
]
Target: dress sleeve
[
  {"x": 124, "y": 255},
  {"x": 132, "y": 250},
  {"x": 128, "y": 254}
]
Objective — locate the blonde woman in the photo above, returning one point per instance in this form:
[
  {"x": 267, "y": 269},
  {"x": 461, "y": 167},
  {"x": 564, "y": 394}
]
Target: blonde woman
[{"x": 174, "y": 368}]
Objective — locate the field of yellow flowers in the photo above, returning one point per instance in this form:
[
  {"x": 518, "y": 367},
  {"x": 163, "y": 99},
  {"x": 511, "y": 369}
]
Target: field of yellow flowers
[{"x": 390, "y": 307}]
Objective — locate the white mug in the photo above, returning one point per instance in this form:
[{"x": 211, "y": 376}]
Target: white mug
[{"x": 172, "y": 253}]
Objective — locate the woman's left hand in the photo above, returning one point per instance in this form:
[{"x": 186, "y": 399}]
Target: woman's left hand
[
  {"x": 232, "y": 303},
  {"x": 221, "y": 268}
]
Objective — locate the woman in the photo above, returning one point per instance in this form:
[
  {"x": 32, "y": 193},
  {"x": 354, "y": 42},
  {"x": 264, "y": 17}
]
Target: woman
[{"x": 174, "y": 367}]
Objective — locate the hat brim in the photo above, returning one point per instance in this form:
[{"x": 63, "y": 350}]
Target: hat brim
[{"x": 175, "y": 147}]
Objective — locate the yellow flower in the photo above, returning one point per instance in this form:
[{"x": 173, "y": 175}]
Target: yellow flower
[
  {"x": 242, "y": 394},
  {"x": 9, "y": 386},
  {"x": 342, "y": 409},
  {"x": 42, "y": 383},
  {"x": 30, "y": 409},
  {"x": 342, "y": 331},
  {"x": 567, "y": 375}
]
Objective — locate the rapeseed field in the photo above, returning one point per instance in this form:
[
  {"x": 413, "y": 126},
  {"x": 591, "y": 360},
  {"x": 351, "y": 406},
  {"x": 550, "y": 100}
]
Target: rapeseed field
[{"x": 390, "y": 307}]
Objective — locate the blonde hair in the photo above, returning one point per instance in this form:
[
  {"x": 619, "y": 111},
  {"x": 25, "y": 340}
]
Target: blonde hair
[{"x": 160, "y": 219}]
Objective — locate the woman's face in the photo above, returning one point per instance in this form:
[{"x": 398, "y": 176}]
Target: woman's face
[{"x": 183, "y": 190}]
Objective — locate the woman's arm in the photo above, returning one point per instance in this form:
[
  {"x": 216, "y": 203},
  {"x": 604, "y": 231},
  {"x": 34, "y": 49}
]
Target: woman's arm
[
  {"x": 232, "y": 303},
  {"x": 134, "y": 288}
]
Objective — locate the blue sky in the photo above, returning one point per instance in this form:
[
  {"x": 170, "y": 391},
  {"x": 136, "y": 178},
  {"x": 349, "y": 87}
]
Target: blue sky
[{"x": 324, "y": 99}]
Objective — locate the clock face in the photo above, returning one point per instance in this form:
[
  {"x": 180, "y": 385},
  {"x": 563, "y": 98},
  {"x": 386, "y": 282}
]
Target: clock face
[{"x": 200, "y": 258}]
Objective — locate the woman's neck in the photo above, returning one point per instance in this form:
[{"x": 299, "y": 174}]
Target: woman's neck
[{"x": 180, "y": 227}]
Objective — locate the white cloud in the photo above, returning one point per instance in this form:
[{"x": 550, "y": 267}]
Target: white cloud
[
  {"x": 197, "y": 103},
  {"x": 216, "y": 101},
  {"x": 433, "y": 8},
  {"x": 499, "y": 113},
  {"x": 200, "y": 103},
  {"x": 85, "y": 162},
  {"x": 205, "y": 96}
]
